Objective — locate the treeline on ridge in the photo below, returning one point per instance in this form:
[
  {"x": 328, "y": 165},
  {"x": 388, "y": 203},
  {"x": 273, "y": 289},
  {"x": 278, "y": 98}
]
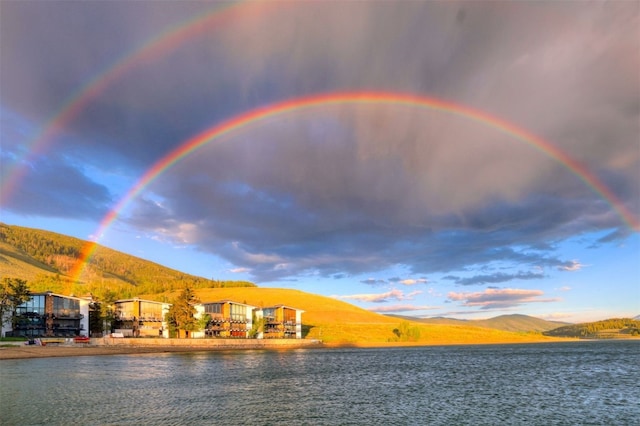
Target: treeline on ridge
[
  {"x": 107, "y": 269},
  {"x": 592, "y": 329}
]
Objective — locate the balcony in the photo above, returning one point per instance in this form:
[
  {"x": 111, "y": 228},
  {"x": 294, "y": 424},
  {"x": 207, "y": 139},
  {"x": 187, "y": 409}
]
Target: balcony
[
  {"x": 150, "y": 318},
  {"x": 67, "y": 315}
]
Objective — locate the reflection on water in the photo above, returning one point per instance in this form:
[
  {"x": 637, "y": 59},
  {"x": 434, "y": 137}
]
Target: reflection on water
[{"x": 564, "y": 383}]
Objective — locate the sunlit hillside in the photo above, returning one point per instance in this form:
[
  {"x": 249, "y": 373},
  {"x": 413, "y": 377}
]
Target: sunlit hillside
[
  {"x": 45, "y": 260},
  {"x": 337, "y": 322}
]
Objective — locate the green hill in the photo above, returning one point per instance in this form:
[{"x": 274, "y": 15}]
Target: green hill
[
  {"x": 515, "y": 322},
  {"x": 607, "y": 329},
  {"x": 45, "y": 260}
]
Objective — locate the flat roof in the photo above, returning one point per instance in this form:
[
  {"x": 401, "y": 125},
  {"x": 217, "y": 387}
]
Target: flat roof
[
  {"x": 46, "y": 293},
  {"x": 283, "y": 306},
  {"x": 225, "y": 301},
  {"x": 135, "y": 299}
]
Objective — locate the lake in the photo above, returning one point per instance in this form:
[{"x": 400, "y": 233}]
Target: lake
[{"x": 537, "y": 384}]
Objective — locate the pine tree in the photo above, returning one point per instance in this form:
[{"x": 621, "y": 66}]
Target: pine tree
[
  {"x": 13, "y": 293},
  {"x": 181, "y": 314}
]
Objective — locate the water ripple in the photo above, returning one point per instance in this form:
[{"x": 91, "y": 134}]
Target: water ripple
[{"x": 546, "y": 384}]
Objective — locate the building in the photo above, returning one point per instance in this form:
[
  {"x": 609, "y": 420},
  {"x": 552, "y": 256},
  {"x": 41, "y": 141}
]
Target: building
[
  {"x": 228, "y": 319},
  {"x": 140, "y": 318},
  {"x": 51, "y": 315},
  {"x": 280, "y": 322}
]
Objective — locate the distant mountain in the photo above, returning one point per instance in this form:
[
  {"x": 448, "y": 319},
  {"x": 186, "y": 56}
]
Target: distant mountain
[
  {"x": 514, "y": 323},
  {"x": 45, "y": 259},
  {"x": 637, "y": 317}
]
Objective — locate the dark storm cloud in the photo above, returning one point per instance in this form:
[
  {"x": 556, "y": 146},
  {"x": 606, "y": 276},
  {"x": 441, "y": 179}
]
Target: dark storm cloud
[
  {"x": 342, "y": 190},
  {"x": 53, "y": 186}
]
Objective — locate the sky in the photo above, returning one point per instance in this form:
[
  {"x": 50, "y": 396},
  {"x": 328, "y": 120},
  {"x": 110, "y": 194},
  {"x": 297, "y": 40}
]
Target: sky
[{"x": 458, "y": 159}]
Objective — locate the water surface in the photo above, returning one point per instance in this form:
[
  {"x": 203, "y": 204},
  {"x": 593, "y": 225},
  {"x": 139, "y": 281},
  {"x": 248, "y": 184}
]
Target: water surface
[{"x": 545, "y": 384}]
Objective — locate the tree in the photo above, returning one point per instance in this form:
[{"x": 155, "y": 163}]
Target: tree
[
  {"x": 181, "y": 314},
  {"x": 95, "y": 321},
  {"x": 13, "y": 293},
  {"x": 257, "y": 327},
  {"x": 101, "y": 312},
  {"x": 406, "y": 333},
  {"x": 107, "y": 313},
  {"x": 203, "y": 322}
]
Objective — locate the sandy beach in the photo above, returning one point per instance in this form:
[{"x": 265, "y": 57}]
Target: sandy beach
[
  {"x": 23, "y": 352},
  {"x": 35, "y": 351}
]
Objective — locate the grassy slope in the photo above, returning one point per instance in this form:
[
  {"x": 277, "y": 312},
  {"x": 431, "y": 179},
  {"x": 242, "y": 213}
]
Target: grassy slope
[
  {"x": 42, "y": 277},
  {"x": 108, "y": 269},
  {"x": 14, "y": 263},
  {"x": 337, "y": 322}
]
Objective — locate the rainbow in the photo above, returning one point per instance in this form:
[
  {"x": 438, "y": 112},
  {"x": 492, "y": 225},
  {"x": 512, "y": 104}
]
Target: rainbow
[
  {"x": 146, "y": 52},
  {"x": 303, "y": 103}
]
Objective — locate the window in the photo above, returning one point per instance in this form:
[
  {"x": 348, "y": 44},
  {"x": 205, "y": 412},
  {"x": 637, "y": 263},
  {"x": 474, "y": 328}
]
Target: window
[
  {"x": 64, "y": 307},
  {"x": 269, "y": 314},
  {"x": 151, "y": 311},
  {"x": 238, "y": 313},
  {"x": 34, "y": 306},
  {"x": 124, "y": 310},
  {"x": 289, "y": 315},
  {"x": 213, "y": 308}
]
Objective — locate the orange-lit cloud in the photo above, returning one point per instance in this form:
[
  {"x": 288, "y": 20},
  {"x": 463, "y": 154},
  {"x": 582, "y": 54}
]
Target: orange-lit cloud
[
  {"x": 393, "y": 294},
  {"x": 499, "y": 298},
  {"x": 401, "y": 308}
]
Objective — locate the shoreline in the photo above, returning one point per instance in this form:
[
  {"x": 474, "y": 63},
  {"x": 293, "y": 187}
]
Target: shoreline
[
  {"x": 51, "y": 351},
  {"x": 103, "y": 346}
]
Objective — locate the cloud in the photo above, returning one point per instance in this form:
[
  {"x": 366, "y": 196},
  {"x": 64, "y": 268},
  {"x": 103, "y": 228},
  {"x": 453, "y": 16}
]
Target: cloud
[
  {"x": 401, "y": 308},
  {"x": 342, "y": 189},
  {"x": 497, "y": 277},
  {"x": 373, "y": 281},
  {"x": 499, "y": 298},
  {"x": 571, "y": 266},
  {"x": 408, "y": 281},
  {"x": 53, "y": 185},
  {"x": 385, "y": 297},
  {"x": 616, "y": 235},
  {"x": 557, "y": 316},
  {"x": 455, "y": 314}
]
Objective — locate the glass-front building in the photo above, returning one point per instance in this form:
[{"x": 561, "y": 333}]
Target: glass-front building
[
  {"x": 141, "y": 318},
  {"x": 227, "y": 319},
  {"x": 281, "y": 322},
  {"x": 51, "y": 315}
]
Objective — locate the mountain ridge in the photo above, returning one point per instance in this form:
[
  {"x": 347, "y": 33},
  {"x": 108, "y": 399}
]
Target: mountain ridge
[{"x": 509, "y": 322}]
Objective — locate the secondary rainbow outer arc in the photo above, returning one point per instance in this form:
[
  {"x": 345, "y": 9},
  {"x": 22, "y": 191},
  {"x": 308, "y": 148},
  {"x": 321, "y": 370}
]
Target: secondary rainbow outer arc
[
  {"x": 298, "y": 104},
  {"x": 78, "y": 100}
]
